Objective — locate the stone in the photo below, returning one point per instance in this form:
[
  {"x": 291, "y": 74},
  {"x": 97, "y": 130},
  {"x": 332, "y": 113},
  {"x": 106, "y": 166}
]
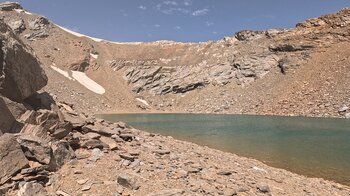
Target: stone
[
  {"x": 48, "y": 119},
  {"x": 6, "y": 118},
  {"x": 111, "y": 143},
  {"x": 12, "y": 159},
  {"x": 32, "y": 189},
  {"x": 93, "y": 143},
  {"x": 169, "y": 192},
  {"x": 17, "y": 109},
  {"x": 62, "y": 193},
  {"x": 18, "y": 26},
  {"x": 343, "y": 109},
  {"x": 9, "y": 6},
  {"x": 62, "y": 152},
  {"x": 230, "y": 192},
  {"x": 40, "y": 101},
  {"x": 127, "y": 157},
  {"x": 264, "y": 188},
  {"x": 127, "y": 137},
  {"x": 102, "y": 130},
  {"x": 92, "y": 135},
  {"x": 35, "y": 148},
  {"x": 128, "y": 181},
  {"x": 76, "y": 120},
  {"x": 35, "y": 130},
  {"x": 161, "y": 152},
  {"x": 39, "y": 23},
  {"x": 96, "y": 153},
  {"x": 28, "y": 117},
  {"x": 86, "y": 187},
  {"x": 82, "y": 181},
  {"x": 20, "y": 77},
  {"x": 224, "y": 173},
  {"x": 62, "y": 130},
  {"x": 347, "y": 115}
]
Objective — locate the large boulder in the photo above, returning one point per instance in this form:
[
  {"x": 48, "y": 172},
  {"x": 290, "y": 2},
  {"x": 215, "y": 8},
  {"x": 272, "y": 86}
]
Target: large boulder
[
  {"x": 20, "y": 71},
  {"x": 12, "y": 159},
  {"x": 9, "y": 6},
  {"x": 6, "y": 118}
]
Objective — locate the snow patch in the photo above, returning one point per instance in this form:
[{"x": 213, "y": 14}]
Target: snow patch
[
  {"x": 142, "y": 101},
  {"x": 84, "y": 80},
  {"x": 60, "y": 71},
  {"x": 28, "y": 13},
  {"x": 95, "y": 56},
  {"x": 80, "y": 35}
]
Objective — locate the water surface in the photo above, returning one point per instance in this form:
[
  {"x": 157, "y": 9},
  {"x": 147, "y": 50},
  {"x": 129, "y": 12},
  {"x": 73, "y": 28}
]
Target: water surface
[{"x": 316, "y": 147}]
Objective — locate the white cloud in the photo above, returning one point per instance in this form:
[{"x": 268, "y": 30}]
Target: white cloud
[
  {"x": 157, "y": 25},
  {"x": 215, "y": 32},
  {"x": 142, "y": 7},
  {"x": 174, "y": 3},
  {"x": 175, "y": 10},
  {"x": 200, "y": 12},
  {"x": 187, "y": 2},
  {"x": 209, "y": 23},
  {"x": 177, "y": 27}
]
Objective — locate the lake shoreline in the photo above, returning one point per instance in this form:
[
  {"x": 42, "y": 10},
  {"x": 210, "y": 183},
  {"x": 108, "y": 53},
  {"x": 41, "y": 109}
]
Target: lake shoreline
[{"x": 185, "y": 168}]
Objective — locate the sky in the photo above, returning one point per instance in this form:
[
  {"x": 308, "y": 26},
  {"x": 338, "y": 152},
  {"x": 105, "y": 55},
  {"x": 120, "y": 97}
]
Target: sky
[{"x": 178, "y": 20}]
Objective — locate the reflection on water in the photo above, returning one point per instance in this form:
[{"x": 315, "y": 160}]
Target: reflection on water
[{"x": 316, "y": 147}]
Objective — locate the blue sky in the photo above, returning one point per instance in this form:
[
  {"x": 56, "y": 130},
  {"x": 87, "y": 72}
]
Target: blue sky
[{"x": 179, "y": 20}]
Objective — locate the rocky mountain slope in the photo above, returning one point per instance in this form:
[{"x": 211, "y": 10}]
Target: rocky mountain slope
[
  {"x": 255, "y": 72},
  {"x": 49, "y": 147}
]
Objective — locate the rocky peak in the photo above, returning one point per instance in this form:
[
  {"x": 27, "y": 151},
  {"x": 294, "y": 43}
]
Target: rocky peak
[{"x": 9, "y": 6}]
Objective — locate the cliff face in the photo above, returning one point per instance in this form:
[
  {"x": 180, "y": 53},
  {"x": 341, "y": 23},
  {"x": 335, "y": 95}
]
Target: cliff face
[{"x": 172, "y": 76}]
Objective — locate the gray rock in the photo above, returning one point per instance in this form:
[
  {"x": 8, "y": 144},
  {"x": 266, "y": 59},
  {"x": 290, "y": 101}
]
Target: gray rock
[
  {"x": 35, "y": 148},
  {"x": 128, "y": 181},
  {"x": 76, "y": 120},
  {"x": 35, "y": 130},
  {"x": 18, "y": 26},
  {"x": 9, "y": 6},
  {"x": 20, "y": 77},
  {"x": 96, "y": 154},
  {"x": 12, "y": 159},
  {"x": 93, "y": 143},
  {"x": 32, "y": 189},
  {"x": 62, "y": 130},
  {"x": 111, "y": 143},
  {"x": 347, "y": 115},
  {"x": 161, "y": 152},
  {"x": 48, "y": 119},
  {"x": 170, "y": 192},
  {"x": 343, "y": 109},
  {"x": 6, "y": 118},
  {"x": 102, "y": 130},
  {"x": 264, "y": 188},
  {"x": 39, "y": 23},
  {"x": 28, "y": 117},
  {"x": 62, "y": 152}
]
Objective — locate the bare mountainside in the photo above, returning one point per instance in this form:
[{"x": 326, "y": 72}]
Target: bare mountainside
[{"x": 299, "y": 71}]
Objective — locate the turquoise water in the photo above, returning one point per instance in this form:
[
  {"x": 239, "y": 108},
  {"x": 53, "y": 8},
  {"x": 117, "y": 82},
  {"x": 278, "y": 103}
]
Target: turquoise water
[{"x": 316, "y": 147}]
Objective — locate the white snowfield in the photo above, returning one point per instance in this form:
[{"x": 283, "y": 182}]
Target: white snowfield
[
  {"x": 60, "y": 71},
  {"x": 21, "y": 10},
  {"x": 94, "y": 38},
  {"x": 142, "y": 101},
  {"x": 84, "y": 80},
  {"x": 79, "y": 35}
]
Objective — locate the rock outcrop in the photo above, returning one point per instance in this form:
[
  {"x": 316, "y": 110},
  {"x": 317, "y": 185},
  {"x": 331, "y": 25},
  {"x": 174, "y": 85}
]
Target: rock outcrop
[{"x": 20, "y": 72}]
